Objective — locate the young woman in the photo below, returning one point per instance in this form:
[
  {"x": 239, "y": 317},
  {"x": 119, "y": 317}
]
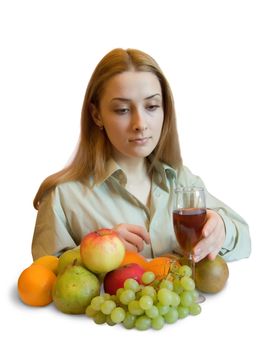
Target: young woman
[{"x": 126, "y": 168}]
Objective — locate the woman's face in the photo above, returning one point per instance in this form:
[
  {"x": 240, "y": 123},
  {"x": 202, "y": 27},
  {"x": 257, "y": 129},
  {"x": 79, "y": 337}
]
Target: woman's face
[{"x": 131, "y": 113}]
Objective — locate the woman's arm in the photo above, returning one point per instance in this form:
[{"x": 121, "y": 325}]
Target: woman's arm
[
  {"x": 52, "y": 233},
  {"x": 226, "y": 232}
]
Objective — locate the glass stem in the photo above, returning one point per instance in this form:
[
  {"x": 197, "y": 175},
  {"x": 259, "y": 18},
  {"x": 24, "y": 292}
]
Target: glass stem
[{"x": 192, "y": 265}]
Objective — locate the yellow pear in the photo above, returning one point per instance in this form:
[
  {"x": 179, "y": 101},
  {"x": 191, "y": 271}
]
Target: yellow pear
[{"x": 67, "y": 258}]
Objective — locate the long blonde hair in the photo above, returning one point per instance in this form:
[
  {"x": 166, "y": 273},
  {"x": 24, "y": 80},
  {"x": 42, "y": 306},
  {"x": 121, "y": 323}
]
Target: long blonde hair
[{"x": 94, "y": 148}]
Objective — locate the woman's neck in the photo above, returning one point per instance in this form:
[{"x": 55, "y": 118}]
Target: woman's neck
[
  {"x": 138, "y": 177},
  {"x": 135, "y": 169}
]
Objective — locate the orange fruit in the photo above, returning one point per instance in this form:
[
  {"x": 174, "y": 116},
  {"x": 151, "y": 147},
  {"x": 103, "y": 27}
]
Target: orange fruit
[
  {"x": 160, "y": 266},
  {"x": 49, "y": 261},
  {"x": 35, "y": 285},
  {"x": 133, "y": 257}
]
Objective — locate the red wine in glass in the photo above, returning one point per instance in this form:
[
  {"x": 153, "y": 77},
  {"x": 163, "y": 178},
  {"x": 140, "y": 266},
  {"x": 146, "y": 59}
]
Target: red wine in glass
[
  {"x": 189, "y": 217},
  {"x": 188, "y": 224}
]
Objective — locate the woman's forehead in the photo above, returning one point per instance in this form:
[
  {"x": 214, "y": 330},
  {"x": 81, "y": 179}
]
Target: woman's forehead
[{"x": 132, "y": 84}]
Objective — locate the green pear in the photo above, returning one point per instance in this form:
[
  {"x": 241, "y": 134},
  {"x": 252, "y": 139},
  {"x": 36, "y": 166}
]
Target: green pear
[
  {"x": 74, "y": 289},
  {"x": 67, "y": 258}
]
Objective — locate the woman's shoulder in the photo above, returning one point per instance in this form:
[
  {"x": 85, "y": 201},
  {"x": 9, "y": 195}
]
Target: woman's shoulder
[
  {"x": 73, "y": 186},
  {"x": 181, "y": 171},
  {"x": 185, "y": 177},
  {"x": 67, "y": 189}
]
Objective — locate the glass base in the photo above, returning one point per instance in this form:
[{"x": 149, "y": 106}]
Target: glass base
[{"x": 200, "y": 299}]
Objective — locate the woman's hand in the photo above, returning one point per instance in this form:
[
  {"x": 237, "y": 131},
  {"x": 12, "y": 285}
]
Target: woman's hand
[
  {"x": 213, "y": 234},
  {"x": 133, "y": 236}
]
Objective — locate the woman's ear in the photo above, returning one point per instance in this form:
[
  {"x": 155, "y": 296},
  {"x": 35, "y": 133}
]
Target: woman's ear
[{"x": 96, "y": 115}]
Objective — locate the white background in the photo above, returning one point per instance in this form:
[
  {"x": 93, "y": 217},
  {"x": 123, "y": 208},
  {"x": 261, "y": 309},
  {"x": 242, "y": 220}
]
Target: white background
[{"x": 211, "y": 53}]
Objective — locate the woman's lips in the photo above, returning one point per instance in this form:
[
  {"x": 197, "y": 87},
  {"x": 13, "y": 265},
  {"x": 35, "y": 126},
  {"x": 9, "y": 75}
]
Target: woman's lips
[{"x": 140, "y": 140}]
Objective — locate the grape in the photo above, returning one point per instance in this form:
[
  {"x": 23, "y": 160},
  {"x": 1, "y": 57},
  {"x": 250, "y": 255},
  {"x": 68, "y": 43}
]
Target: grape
[
  {"x": 109, "y": 321},
  {"x": 142, "y": 323},
  {"x": 164, "y": 296},
  {"x": 96, "y": 302},
  {"x": 107, "y": 307},
  {"x": 90, "y": 311},
  {"x": 118, "y": 292},
  {"x": 106, "y": 296},
  {"x": 177, "y": 287},
  {"x": 99, "y": 318},
  {"x": 138, "y": 294},
  {"x": 186, "y": 298},
  {"x": 149, "y": 290},
  {"x": 146, "y": 302},
  {"x": 132, "y": 284},
  {"x": 134, "y": 308},
  {"x": 185, "y": 270},
  {"x": 156, "y": 302},
  {"x": 171, "y": 316},
  {"x": 156, "y": 284},
  {"x": 129, "y": 321},
  {"x": 195, "y": 309},
  {"x": 152, "y": 312},
  {"x": 114, "y": 298},
  {"x": 148, "y": 277},
  {"x": 117, "y": 315},
  {"x": 158, "y": 322},
  {"x": 187, "y": 283},
  {"x": 166, "y": 284},
  {"x": 163, "y": 309},
  {"x": 175, "y": 299},
  {"x": 126, "y": 296},
  {"x": 195, "y": 295},
  {"x": 182, "y": 311}
]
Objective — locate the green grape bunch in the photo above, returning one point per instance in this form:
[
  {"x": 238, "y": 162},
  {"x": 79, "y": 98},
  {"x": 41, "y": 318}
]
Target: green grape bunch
[{"x": 150, "y": 305}]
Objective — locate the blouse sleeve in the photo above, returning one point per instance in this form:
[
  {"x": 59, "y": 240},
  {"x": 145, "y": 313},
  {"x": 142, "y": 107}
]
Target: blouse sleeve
[
  {"x": 52, "y": 234},
  {"x": 237, "y": 244}
]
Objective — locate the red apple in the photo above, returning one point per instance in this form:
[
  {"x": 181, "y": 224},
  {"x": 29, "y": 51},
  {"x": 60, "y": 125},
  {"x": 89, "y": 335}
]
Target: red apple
[
  {"x": 102, "y": 251},
  {"x": 115, "y": 279}
]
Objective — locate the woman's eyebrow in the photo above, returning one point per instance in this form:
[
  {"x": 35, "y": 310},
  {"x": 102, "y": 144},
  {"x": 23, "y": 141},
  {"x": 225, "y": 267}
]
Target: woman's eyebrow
[
  {"x": 128, "y": 99},
  {"x": 120, "y": 99},
  {"x": 152, "y": 96}
]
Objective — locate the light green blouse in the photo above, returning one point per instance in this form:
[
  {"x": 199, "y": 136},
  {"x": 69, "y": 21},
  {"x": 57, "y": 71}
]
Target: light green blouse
[{"x": 73, "y": 209}]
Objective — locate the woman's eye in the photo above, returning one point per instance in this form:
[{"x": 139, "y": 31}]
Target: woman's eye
[
  {"x": 121, "y": 110},
  {"x": 152, "y": 107}
]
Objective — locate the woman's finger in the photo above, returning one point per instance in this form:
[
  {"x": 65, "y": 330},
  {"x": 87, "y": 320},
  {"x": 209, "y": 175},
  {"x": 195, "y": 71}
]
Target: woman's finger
[
  {"x": 213, "y": 255},
  {"x": 129, "y": 246},
  {"x": 134, "y": 240},
  {"x": 139, "y": 231},
  {"x": 211, "y": 223},
  {"x": 130, "y": 237}
]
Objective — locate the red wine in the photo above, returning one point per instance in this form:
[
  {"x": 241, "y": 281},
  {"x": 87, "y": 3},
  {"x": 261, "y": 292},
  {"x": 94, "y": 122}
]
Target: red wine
[{"x": 188, "y": 224}]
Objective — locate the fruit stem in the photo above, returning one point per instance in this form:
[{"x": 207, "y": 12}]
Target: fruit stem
[{"x": 74, "y": 262}]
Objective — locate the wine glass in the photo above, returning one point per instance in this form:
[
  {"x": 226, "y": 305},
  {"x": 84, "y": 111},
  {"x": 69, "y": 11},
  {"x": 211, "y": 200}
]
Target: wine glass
[{"x": 189, "y": 216}]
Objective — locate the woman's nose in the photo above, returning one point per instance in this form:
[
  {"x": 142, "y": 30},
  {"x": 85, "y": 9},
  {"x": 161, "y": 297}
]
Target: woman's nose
[{"x": 139, "y": 122}]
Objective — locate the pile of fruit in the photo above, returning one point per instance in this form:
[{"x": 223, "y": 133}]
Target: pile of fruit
[
  {"x": 113, "y": 286},
  {"x": 147, "y": 302}
]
